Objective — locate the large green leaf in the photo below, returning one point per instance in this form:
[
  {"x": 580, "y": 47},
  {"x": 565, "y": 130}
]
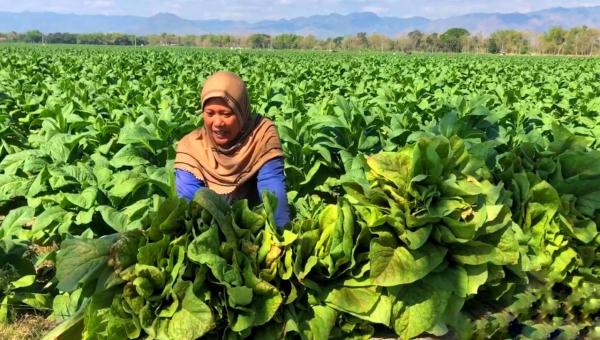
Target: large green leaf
[
  {"x": 418, "y": 309},
  {"x": 114, "y": 218},
  {"x": 127, "y": 156},
  {"x": 395, "y": 265},
  {"x": 79, "y": 260},
  {"x": 13, "y": 222},
  {"x": 395, "y": 167},
  {"x": 13, "y": 186},
  {"x": 193, "y": 320},
  {"x": 321, "y": 323},
  {"x": 85, "y": 199},
  {"x": 503, "y": 252},
  {"x": 354, "y": 300}
]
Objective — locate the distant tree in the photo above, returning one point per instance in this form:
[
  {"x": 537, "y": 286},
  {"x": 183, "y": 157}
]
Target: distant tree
[
  {"x": 87, "y": 39},
  {"x": 308, "y": 42},
  {"x": 33, "y": 37},
  {"x": 362, "y": 39},
  {"x": 111, "y": 38},
  {"x": 69, "y": 38},
  {"x": 165, "y": 39},
  {"x": 355, "y": 42},
  {"x": 154, "y": 39},
  {"x": 574, "y": 40},
  {"x": 350, "y": 42},
  {"x": 577, "y": 40},
  {"x": 454, "y": 39},
  {"x": 219, "y": 40},
  {"x": 433, "y": 42},
  {"x": 403, "y": 43},
  {"x": 12, "y": 36},
  {"x": 141, "y": 41},
  {"x": 54, "y": 38},
  {"x": 508, "y": 41},
  {"x": 477, "y": 43},
  {"x": 259, "y": 40},
  {"x": 189, "y": 40},
  {"x": 123, "y": 39},
  {"x": 555, "y": 39},
  {"x": 286, "y": 41},
  {"x": 202, "y": 40},
  {"x": 380, "y": 42},
  {"x": 593, "y": 41},
  {"x": 416, "y": 39},
  {"x": 581, "y": 40},
  {"x": 337, "y": 42},
  {"x": 61, "y": 38}
]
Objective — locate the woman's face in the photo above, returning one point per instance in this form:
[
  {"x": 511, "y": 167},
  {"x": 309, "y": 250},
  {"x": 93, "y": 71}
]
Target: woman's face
[{"x": 221, "y": 121}]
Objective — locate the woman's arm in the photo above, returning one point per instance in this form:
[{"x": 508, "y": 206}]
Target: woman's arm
[
  {"x": 272, "y": 178},
  {"x": 186, "y": 184}
]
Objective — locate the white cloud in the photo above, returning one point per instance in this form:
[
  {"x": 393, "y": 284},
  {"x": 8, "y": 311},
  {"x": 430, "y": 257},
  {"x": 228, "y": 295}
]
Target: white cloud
[
  {"x": 99, "y": 3},
  {"x": 375, "y": 9}
]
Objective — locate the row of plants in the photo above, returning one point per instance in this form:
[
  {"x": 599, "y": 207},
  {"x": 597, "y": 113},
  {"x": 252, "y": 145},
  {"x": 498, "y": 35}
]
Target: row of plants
[
  {"x": 424, "y": 240},
  {"x": 431, "y": 193}
]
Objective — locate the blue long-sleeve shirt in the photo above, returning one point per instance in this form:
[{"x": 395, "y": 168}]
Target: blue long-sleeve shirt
[{"x": 270, "y": 177}]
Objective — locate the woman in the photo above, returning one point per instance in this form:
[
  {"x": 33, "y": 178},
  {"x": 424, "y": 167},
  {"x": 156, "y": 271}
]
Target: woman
[{"x": 235, "y": 153}]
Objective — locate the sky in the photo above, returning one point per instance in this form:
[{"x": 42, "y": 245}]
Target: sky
[{"x": 255, "y": 10}]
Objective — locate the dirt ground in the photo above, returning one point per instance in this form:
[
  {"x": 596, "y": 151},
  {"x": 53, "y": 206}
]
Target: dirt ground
[{"x": 26, "y": 327}]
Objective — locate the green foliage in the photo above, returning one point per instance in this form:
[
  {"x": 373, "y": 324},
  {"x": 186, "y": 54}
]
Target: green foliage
[
  {"x": 286, "y": 41},
  {"x": 453, "y": 38},
  {"x": 20, "y": 287},
  {"x": 508, "y": 41},
  {"x": 431, "y": 194}
]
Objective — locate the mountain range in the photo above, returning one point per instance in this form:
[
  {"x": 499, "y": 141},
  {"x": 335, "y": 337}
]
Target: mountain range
[{"x": 319, "y": 25}]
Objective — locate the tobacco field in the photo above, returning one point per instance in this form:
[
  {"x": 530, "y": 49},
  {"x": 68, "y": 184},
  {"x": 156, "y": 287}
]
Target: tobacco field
[{"x": 453, "y": 195}]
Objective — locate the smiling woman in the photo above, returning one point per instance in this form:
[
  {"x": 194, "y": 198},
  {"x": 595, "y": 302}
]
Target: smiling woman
[
  {"x": 236, "y": 154},
  {"x": 220, "y": 119}
]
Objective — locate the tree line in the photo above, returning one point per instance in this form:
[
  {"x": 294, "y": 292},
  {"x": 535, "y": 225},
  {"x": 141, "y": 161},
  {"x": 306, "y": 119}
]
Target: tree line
[{"x": 557, "y": 41}]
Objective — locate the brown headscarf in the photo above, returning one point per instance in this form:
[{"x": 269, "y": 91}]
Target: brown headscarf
[{"x": 226, "y": 169}]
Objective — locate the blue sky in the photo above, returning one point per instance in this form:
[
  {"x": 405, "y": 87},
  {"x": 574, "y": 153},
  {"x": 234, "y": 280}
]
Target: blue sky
[{"x": 254, "y": 10}]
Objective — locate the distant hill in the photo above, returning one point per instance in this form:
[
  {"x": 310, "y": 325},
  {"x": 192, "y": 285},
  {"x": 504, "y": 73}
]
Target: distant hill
[{"x": 319, "y": 25}]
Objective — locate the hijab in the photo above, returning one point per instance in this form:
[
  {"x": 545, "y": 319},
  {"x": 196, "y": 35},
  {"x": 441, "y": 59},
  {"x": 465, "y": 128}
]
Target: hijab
[{"x": 225, "y": 169}]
